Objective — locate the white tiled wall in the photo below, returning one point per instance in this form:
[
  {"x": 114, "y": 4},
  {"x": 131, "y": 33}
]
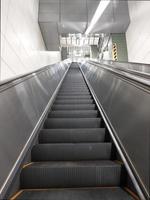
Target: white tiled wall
[
  {"x": 22, "y": 46},
  {"x": 138, "y": 33}
]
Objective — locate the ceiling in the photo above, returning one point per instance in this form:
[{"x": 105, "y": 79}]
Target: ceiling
[{"x": 61, "y": 17}]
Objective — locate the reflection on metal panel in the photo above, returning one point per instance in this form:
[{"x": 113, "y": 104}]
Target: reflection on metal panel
[
  {"x": 128, "y": 109},
  {"x": 143, "y": 68},
  {"x": 21, "y": 106}
]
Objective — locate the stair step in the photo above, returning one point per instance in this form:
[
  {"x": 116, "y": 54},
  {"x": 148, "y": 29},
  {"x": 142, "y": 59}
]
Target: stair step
[
  {"x": 71, "y": 152},
  {"x": 72, "y": 123},
  {"x": 74, "y": 93},
  {"x": 70, "y": 86},
  {"x": 100, "y": 193},
  {"x": 73, "y": 113},
  {"x": 72, "y": 159},
  {"x": 72, "y": 135},
  {"x": 72, "y": 89},
  {"x": 71, "y": 174},
  {"x": 74, "y": 101},
  {"x": 73, "y": 97},
  {"x": 74, "y": 107}
]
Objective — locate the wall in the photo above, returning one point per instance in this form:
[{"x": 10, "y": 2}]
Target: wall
[
  {"x": 22, "y": 46},
  {"x": 94, "y": 51},
  {"x": 120, "y": 40},
  {"x": 64, "y": 53},
  {"x": 138, "y": 33}
]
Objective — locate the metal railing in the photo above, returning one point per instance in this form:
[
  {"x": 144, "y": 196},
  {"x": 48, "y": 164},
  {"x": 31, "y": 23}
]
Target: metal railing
[
  {"x": 22, "y": 77},
  {"x": 141, "y": 78},
  {"x": 138, "y": 79}
]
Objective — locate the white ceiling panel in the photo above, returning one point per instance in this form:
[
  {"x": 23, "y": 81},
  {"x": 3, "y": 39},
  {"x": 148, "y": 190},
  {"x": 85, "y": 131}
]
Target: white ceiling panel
[
  {"x": 49, "y": 12},
  {"x": 91, "y": 7},
  {"x": 49, "y": 1},
  {"x": 115, "y": 18},
  {"x": 48, "y": 17},
  {"x": 72, "y": 27},
  {"x": 74, "y": 11},
  {"x": 73, "y": 16},
  {"x": 50, "y": 35}
]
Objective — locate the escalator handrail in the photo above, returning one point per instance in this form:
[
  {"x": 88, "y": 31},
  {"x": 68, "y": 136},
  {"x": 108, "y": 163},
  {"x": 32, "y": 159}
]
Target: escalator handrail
[
  {"x": 21, "y": 77},
  {"x": 128, "y": 74},
  {"x": 131, "y": 71},
  {"x": 126, "y": 160},
  {"x": 128, "y": 63}
]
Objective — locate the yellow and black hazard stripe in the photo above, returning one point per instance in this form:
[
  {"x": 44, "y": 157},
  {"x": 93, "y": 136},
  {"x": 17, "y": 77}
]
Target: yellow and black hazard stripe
[{"x": 114, "y": 52}]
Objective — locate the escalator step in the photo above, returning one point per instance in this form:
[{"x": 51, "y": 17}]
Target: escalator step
[
  {"x": 100, "y": 193},
  {"x": 71, "y": 174},
  {"x": 71, "y": 152},
  {"x": 73, "y": 113},
  {"x": 72, "y": 135},
  {"x": 72, "y": 160},
  {"x": 74, "y": 101},
  {"x": 73, "y": 123},
  {"x": 73, "y": 97},
  {"x": 74, "y": 90},
  {"x": 74, "y": 107},
  {"x": 74, "y": 93},
  {"x": 70, "y": 87}
]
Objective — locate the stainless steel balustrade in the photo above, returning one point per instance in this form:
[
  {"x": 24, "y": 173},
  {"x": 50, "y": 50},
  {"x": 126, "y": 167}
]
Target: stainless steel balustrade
[
  {"x": 127, "y": 106},
  {"x": 24, "y": 102},
  {"x": 135, "y": 67},
  {"x": 134, "y": 75}
]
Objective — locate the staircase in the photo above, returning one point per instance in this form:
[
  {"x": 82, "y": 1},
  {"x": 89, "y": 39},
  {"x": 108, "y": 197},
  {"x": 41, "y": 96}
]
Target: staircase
[{"x": 72, "y": 160}]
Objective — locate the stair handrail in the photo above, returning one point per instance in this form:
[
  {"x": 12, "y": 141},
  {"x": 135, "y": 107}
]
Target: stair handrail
[
  {"x": 20, "y": 76},
  {"x": 129, "y": 166},
  {"x": 139, "y": 77},
  {"x": 7, "y": 83}
]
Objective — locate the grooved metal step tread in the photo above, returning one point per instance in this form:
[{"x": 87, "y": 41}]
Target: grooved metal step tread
[
  {"x": 72, "y": 135},
  {"x": 70, "y": 84},
  {"x": 72, "y": 123},
  {"x": 100, "y": 193},
  {"x": 74, "y": 107},
  {"x": 71, "y": 174},
  {"x": 73, "y": 113},
  {"x": 74, "y": 90},
  {"x": 73, "y": 97},
  {"x": 72, "y": 152},
  {"x": 71, "y": 88},
  {"x": 74, "y": 93},
  {"x": 74, "y": 101},
  {"x": 83, "y": 87}
]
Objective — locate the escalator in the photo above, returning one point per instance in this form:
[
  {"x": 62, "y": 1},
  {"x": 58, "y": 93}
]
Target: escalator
[{"x": 74, "y": 159}]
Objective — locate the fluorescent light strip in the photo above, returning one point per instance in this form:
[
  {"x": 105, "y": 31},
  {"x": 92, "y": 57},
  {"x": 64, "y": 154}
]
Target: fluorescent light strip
[{"x": 98, "y": 13}]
